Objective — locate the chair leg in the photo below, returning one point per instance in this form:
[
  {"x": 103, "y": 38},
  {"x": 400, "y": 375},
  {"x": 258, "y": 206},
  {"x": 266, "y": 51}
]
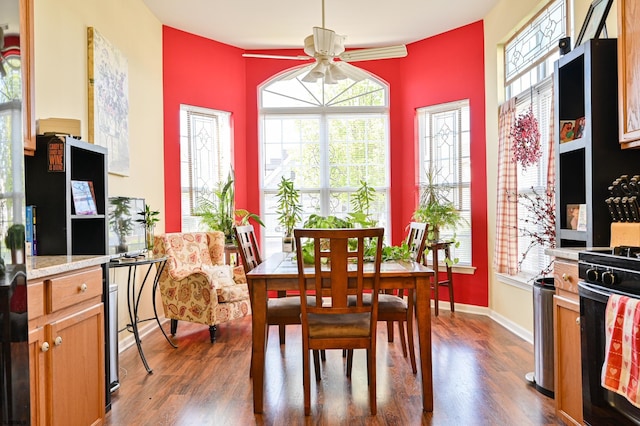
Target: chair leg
[
  {"x": 316, "y": 364},
  {"x": 349, "y": 362},
  {"x": 306, "y": 379},
  {"x": 174, "y": 327},
  {"x": 412, "y": 350},
  {"x": 453, "y": 309},
  {"x": 281, "y": 330},
  {"x": 212, "y": 332},
  {"x": 403, "y": 339},
  {"x": 371, "y": 361}
]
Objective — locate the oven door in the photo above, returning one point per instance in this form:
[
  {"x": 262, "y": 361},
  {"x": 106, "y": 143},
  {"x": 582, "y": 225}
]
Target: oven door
[{"x": 600, "y": 406}]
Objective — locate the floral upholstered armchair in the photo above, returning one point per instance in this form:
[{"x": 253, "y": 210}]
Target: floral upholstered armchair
[{"x": 195, "y": 285}]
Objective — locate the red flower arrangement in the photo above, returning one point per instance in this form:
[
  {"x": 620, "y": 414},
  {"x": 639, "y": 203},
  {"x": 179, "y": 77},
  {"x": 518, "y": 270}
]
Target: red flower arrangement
[{"x": 526, "y": 139}]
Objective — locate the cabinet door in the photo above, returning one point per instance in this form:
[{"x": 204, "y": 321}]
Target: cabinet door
[
  {"x": 76, "y": 386},
  {"x": 38, "y": 347},
  {"x": 629, "y": 72},
  {"x": 568, "y": 374}
]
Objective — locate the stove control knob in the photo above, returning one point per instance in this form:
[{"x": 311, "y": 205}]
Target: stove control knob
[
  {"x": 609, "y": 278},
  {"x": 593, "y": 275}
]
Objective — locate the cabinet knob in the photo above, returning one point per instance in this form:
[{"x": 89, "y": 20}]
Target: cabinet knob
[
  {"x": 83, "y": 287},
  {"x": 44, "y": 347},
  {"x": 578, "y": 320},
  {"x": 58, "y": 341}
]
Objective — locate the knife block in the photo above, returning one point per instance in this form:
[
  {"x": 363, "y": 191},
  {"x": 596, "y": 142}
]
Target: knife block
[{"x": 625, "y": 234}]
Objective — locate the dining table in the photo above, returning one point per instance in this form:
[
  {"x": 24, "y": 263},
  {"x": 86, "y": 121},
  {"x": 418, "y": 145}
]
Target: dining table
[{"x": 279, "y": 272}]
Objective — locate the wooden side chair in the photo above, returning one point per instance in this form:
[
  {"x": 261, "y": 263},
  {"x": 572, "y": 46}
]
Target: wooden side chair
[
  {"x": 337, "y": 273},
  {"x": 281, "y": 311},
  {"x": 394, "y": 307}
]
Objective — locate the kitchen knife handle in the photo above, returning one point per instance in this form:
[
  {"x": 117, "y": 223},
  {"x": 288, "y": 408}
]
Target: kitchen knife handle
[{"x": 612, "y": 209}]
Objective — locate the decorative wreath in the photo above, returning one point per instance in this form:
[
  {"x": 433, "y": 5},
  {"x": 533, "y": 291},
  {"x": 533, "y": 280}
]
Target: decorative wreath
[{"x": 526, "y": 139}]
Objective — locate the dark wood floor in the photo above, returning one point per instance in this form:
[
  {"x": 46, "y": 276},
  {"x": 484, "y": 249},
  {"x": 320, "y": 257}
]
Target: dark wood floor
[{"x": 478, "y": 372}]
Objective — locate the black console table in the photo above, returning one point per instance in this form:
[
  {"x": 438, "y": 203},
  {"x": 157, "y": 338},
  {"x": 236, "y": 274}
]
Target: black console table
[{"x": 133, "y": 294}]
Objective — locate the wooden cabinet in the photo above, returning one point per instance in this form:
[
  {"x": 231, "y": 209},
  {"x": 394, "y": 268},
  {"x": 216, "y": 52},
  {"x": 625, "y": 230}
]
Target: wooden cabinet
[
  {"x": 585, "y": 85},
  {"x": 66, "y": 349},
  {"x": 48, "y": 187},
  {"x": 629, "y": 73},
  {"x": 567, "y": 360}
]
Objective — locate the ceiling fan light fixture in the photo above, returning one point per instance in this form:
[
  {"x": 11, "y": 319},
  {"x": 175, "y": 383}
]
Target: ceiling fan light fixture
[
  {"x": 336, "y": 72},
  {"x": 324, "y": 41}
]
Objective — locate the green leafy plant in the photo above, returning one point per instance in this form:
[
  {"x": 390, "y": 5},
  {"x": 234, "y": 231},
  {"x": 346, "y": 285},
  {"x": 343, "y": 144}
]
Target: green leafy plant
[
  {"x": 435, "y": 209},
  {"x": 120, "y": 220},
  {"x": 361, "y": 204},
  {"x": 15, "y": 238},
  {"x": 149, "y": 217},
  {"x": 219, "y": 212},
  {"x": 289, "y": 209}
]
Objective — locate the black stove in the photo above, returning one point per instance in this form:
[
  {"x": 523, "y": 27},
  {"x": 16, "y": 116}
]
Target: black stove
[{"x": 615, "y": 268}]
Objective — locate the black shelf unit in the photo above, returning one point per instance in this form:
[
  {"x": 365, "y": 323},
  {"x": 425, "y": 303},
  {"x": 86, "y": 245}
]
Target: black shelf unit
[
  {"x": 585, "y": 85},
  {"x": 58, "y": 230}
]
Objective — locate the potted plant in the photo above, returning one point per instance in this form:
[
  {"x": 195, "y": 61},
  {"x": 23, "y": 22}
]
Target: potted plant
[
  {"x": 15, "y": 241},
  {"x": 219, "y": 212},
  {"x": 435, "y": 209},
  {"x": 361, "y": 204},
  {"x": 149, "y": 220},
  {"x": 120, "y": 221},
  {"x": 289, "y": 211}
]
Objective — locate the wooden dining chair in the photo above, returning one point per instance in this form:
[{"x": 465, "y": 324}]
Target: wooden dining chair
[
  {"x": 337, "y": 273},
  {"x": 281, "y": 311},
  {"x": 395, "y": 307}
]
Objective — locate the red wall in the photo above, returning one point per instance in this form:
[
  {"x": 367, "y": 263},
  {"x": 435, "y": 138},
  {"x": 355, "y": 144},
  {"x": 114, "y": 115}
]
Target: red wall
[{"x": 439, "y": 69}]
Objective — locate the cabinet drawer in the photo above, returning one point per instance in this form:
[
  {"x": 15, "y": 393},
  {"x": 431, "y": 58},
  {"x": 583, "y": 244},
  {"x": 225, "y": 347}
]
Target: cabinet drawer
[
  {"x": 35, "y": 299},
  {"x": 70, "y": 289},
  {"x": 565, "y": 275}
]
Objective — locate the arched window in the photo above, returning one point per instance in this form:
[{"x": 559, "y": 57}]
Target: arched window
[{"x": 329, "y": 138}]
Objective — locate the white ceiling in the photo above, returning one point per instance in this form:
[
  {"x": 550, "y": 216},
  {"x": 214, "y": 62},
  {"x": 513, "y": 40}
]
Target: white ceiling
[{"x": 279, "y": 24}]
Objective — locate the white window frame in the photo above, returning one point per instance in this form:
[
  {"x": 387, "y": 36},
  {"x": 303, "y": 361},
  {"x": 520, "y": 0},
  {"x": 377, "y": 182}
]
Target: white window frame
[
  {"x": 205, "y": 158},
  {"x": 458, "y": 179}
]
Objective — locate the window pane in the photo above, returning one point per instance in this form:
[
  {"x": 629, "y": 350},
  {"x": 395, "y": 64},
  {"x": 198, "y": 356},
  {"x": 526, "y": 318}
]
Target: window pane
[
  {"x": 205, "y": 157},
  {"x": 327, "y": 138},
  {"x": 444, "y": 135}
]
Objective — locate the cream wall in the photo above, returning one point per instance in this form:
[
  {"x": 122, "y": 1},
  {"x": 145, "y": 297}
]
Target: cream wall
[
  {"x": 512, "y": 303},
  {"x": 61, "y": 90}
]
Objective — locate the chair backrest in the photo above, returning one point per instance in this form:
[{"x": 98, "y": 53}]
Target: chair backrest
[
  {"x": 188, "y": 251},
  {"x": 417, "y": 240},
  {"x": 339, "y": 262},
  {"x": 248, "y": 247}
]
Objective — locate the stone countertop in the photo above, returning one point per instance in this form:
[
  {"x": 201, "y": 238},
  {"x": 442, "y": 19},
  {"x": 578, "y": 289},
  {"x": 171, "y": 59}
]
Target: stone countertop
[
  {"x": 568, "y": 253},
  {"x": 42, "y": 266}
]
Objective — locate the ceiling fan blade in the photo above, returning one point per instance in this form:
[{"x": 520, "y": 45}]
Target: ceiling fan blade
[
  {"x": 263, "y": 56},
  {"x": 352, "y": 72},
  {"x": 389, "y": 52}
]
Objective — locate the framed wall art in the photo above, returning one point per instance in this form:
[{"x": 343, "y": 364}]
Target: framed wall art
[
  {"x": 595, "y": 20},
  {"x": 108, "y": 100}
]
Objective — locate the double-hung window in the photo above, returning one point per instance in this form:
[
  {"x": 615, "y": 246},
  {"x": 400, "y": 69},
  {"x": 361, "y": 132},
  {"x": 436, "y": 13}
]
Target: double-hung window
[
  {"x": 328, "y": 138},
  {"x": 205, "y": 158},
  {"x": 444, "y": 135}
]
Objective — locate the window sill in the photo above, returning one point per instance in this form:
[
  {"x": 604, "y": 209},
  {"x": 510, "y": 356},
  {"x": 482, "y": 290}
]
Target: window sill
[
  {"x": 523, "y": 281},
  {"x": 456, "y": 269}
]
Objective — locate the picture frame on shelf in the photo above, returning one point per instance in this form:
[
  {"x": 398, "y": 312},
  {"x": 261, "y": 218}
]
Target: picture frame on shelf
[
  {"x": 573, "y": 215},
  {"x": 594, "y": 22},
  {"x": 84, "y": 199},
  {"x": 567, "y": 130},
  {"x": 578, "y": 128}
]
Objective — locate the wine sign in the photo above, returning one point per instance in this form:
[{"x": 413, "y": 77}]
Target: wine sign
[{"x": 55, "y": 155}]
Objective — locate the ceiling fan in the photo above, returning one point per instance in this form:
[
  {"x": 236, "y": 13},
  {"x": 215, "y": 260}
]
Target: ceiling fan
[{"x": 324, "y": 45}]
